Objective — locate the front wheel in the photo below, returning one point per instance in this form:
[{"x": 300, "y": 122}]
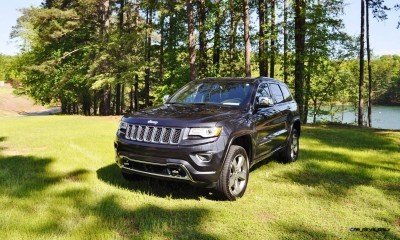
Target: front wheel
[
  {"x": 291, "y": 152},
  {"x": 234, "y": 175}
]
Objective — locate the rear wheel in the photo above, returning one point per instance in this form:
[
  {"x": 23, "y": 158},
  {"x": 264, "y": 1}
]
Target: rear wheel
[
  {"x": 291, "y": 152},
  {"x": 234, "y": 175}
]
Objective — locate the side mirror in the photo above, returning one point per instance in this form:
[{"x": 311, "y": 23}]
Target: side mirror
[
  {"x": 165, "y": 98},
  {"x": 265, "y": 102}
]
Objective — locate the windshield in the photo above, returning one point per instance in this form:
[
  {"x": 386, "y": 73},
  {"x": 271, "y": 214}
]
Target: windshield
[{"x": 221, "y": 93}]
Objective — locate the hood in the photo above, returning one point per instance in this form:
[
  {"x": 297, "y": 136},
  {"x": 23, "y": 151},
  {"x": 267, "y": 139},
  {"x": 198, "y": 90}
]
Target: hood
[{"x": 184, "y": 115}]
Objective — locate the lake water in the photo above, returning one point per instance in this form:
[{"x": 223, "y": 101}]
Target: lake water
[{"x": 385, "y": 117}]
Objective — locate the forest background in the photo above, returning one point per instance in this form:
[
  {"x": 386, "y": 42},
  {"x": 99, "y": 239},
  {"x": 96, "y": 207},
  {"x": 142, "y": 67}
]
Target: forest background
[{"x": 105, "y": 57}]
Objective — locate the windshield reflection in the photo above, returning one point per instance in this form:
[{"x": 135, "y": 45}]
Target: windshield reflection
[{"x": 218, "y": 93}]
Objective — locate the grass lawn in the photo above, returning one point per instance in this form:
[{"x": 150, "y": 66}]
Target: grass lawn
[{"x": 58, "y": 180}]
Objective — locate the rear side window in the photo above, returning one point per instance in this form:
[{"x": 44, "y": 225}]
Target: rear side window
[
  {"x": 276, "y": 92},
  {"x": 286, "y": 94}
]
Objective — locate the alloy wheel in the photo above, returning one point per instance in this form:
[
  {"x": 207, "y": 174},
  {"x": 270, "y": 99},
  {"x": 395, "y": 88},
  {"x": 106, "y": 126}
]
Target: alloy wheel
[{"x": 238, "y": 174}]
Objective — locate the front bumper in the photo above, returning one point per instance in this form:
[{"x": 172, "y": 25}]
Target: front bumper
[{"x": 198, "y": 163}]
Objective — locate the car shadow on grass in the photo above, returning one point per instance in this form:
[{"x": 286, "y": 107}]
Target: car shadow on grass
[
  {"x": 26, "y": 178},
  {"x": 24, "y": 181},
  {"x": 111, "y": 174},
  {"x": 351, "y": 137},
  {"x": 338, "y": 173},
  {"x": 23, "y": 176},
  {"x": 147, "y": 221}
]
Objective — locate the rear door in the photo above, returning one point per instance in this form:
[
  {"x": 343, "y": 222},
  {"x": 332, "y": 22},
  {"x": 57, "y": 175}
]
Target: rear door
[{"x": 280, "y": 134}]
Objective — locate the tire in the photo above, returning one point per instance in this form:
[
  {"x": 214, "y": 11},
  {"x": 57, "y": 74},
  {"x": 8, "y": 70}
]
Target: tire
[
  {"x": 291, "y": 151},
  {"x": 234, "y": 175}
]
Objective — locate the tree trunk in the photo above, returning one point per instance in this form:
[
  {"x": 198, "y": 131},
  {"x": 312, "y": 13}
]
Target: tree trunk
[
  {"x": 285, "y": 42},
  {"x": 86, "y": 102},
  {"x": 118, "y": 99},
  {"x": 104, "y": 108},
  {"x": 102, "y": 103},
  {"x": 266, "y": 41},
  {"x": 306, "y": 97},
  {"x": 192, "y": 40},
  {"x": 112, "y": 105},
  {"x": 122, "y": 98},
  {"x": 300, "y": 50},
  {"x": 315, "y": 111},
  {"x": 232, "y": 34},
  {"x": 369, "y": 70},
  {"x": 273, "y": 37},
  {"x": 217, "y": 38},
  {"x": 63, "y": 106},
  {"x": 136, "y": 93},
  {"x": 149, "y": 21},
  {"x": 202, "y": 39},
  {"x": 108, "y": 100},
  {"x": 131, "y": 100},
  {"x": 106, "y": 19},
  {"x": 247, "y": 50},
  {"x": 74, "y": 108},
  {"x": 118, "y": 86},
  {"x": 361, "y": 80},
  {"x": 261, "y": 40},
  {"x": 95, "y": 106},
  {"x": 162, "y": 43},
  {"x": 121, "y": 14}
]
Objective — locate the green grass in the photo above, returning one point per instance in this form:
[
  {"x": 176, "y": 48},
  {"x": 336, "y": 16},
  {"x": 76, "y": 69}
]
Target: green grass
[{"x": 58, "y": 180}]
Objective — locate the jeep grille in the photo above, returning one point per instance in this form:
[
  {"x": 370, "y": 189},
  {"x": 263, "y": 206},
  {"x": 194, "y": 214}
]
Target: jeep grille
[{"x": 165, "y": 135}]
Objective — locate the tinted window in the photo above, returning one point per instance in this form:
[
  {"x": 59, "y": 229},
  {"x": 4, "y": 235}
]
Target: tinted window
[
  {"x": 224, "y": 93},
  {"x": 262, "y": 91},
  {"x": 276, "y": 92},
  {"x": 286, "y": 94}
]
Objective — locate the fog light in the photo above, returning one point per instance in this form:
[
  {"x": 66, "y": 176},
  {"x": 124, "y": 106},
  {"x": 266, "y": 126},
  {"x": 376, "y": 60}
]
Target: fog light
[{"x": 204, "y": 157}]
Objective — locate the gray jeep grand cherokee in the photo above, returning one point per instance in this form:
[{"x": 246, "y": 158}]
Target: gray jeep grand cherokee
[{"x": 211, "y": 132}]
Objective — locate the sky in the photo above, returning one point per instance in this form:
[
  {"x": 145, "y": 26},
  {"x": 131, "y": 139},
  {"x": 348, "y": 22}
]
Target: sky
[{"x": 385, "y": 37}]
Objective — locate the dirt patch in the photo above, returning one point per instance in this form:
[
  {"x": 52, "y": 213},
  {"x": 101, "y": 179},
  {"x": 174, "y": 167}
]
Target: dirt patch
[
  {"x": 266, "y": 216},
  {"x": 21, "y": 151},
  {"x": 14, "y": 105}
]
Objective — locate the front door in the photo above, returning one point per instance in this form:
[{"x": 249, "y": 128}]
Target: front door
[{"x": 267, "y": 124}]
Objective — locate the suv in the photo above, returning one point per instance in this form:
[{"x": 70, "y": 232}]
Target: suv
[{"x": 211, "y": 132}]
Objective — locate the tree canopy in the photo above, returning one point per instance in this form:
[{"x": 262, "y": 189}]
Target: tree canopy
[{"x": 113, "y": 56}]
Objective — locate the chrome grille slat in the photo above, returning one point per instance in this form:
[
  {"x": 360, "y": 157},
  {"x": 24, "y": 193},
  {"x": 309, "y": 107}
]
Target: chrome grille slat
[
  {"x": 153, "y": 134},
  {"x": 140, "y": 133},
  {"x": 133, "y": 132},
  {"x": 128, "y": 130},
  {"x": 171, "y": 135},
  {"x": 166, "y": 136},
  {"x": 176, "y": 136},
  {"x": 162, "y": 134},
  {"x": 149, "y": 134},
  {"x": 157, "y": 135}
]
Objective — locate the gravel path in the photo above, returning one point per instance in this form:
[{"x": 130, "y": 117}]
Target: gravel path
[{"x": 12, "y": 105}]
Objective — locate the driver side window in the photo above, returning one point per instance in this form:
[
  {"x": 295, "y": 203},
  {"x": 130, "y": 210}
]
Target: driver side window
[{"x": 262, "y": 91}]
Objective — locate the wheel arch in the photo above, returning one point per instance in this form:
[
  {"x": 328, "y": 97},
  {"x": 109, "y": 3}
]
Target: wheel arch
[
  {"x": 297, "y": 125},
  {"x": 245, "y": 141}
]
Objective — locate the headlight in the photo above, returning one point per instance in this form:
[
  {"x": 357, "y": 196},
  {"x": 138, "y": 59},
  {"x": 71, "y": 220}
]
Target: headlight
[
  {"x": 205, "y": 132},
  {"x": 123, "y": 125}
]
